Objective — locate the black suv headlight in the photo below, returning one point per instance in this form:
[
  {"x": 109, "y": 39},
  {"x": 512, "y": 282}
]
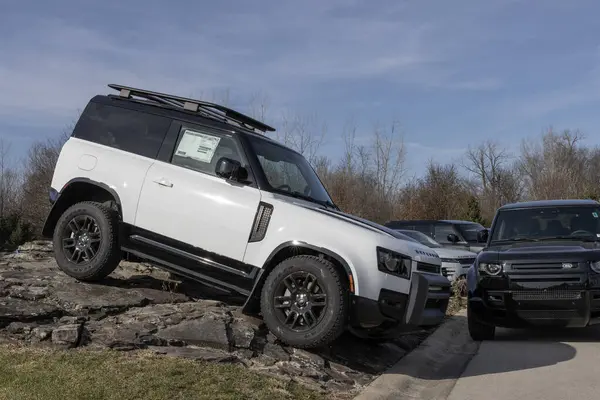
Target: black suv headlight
[
  {"x": 393, "y": 263},
  {"x": 492, "y": 269},
  {"x": 595, "y": 266}
]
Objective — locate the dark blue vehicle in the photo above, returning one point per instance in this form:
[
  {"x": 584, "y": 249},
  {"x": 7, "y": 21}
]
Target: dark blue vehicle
[{"x": 540, "y": 266}]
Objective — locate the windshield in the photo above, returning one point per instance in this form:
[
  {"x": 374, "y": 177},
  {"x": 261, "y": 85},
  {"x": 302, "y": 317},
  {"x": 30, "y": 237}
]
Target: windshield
[
  {"x": 421, "y": 238},
  {"x": 542, "y": 223},
  {"x": 469, "y": 231},
  {"x": 288, "y": 172}
]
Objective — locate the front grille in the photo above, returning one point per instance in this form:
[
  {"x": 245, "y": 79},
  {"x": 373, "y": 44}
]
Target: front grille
[
  {"x": 423, "y": 267},
  {"x": 537, "y": 267},
  {"x": 524, "y": 295},
  {"x": 466, "y": 261}
]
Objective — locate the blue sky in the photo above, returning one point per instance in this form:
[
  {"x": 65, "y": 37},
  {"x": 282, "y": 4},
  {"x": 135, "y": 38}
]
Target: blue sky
[{"x": 452, "y": 73}]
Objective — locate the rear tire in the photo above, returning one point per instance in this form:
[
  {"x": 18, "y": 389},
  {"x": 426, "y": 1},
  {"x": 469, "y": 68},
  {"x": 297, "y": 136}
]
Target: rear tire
[
  {"x": 304, "y": 302},
  {"x": 479, "y": 331},
  {"x": 85, "y": 241}
]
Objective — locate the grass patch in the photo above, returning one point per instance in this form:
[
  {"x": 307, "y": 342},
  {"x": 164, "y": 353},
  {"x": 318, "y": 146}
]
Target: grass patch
[{"x": 33, "y": 374}]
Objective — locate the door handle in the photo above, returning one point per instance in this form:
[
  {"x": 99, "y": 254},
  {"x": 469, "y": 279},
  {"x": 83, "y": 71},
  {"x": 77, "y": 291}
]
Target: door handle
[{"x": 163, "y": 182}]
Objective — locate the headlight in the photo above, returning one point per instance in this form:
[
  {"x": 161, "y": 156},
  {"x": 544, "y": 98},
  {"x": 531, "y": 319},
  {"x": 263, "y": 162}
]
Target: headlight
[
  {"x": 595, "y": 265},
  {"x": 393, "y": 263},
  {"x": 490, "y": 268}
]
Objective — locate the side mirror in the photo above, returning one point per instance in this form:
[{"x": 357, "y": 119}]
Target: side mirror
[
  {"x": 482, "y": 236},
  {"x": 452, "y": 238},
  {"x": 231, "y": 169}
]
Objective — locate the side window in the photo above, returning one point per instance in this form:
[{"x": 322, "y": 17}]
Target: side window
[
  {"x": 200, "y": 149},
  {"x": 120, "y": 128},
  {"x": 424, "y": 228},
  {"x": 442, "y": 231}
]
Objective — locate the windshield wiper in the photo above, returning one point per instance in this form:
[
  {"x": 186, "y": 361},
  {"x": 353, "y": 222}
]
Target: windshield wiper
[
  {"x": 585, "y": 238},
  {"x": 515, "y": 239}
]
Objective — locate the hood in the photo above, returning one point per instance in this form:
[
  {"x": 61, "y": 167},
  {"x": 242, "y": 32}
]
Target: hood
[
  {"x": 575, "y": 252},
  {"x": 454, "y": 253},
  {"x": 365, "y": 223},
  {"x": 353, "y": 219}
]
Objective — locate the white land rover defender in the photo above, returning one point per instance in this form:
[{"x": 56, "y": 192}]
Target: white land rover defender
[{"x": 193, "y": 187}]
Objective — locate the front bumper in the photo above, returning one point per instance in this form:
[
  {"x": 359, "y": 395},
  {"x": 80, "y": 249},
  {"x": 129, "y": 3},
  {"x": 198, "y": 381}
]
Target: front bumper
[
  {"x": 425, "y": 305},
  {"x": 453, "y": 271},
  {"x": 524, "y": 308}
]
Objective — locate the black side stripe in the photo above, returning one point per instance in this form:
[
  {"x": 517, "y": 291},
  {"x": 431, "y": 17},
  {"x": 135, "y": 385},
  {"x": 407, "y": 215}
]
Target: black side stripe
[{"x": 181, "y": 253}]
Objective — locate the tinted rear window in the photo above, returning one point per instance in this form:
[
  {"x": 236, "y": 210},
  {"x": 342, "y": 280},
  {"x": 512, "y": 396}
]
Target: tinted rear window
[{"x": 120, "y": 128}]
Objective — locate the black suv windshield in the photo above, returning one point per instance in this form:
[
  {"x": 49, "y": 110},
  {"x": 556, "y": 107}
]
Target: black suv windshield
[
  {"x": 469, "y": 231},
  {"x": 547, "y": 223},
  {"x": 421, "y": 238},
  {"x": 288, "y": 172}
]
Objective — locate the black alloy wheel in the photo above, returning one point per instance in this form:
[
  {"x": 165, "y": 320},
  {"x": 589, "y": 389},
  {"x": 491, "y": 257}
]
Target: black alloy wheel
[
  {"x": 81, "y": 239},
  {"x": 300, "y": 301}
]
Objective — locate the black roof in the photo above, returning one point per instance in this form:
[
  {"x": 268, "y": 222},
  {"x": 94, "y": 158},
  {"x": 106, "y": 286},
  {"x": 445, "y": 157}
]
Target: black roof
[
  {"x": 177, "y": 111},
  {"x": 204, "y": 108},
  {"x": 549, "y": 203}
]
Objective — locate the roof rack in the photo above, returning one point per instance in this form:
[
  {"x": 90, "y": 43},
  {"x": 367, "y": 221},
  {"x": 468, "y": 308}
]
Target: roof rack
[{"x": 210, "y": 110}]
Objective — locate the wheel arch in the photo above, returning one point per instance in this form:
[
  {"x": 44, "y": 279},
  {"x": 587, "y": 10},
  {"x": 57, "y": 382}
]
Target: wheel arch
[
  {"x": 290, "y": 249},
  {"x": 77, "y": 190}
]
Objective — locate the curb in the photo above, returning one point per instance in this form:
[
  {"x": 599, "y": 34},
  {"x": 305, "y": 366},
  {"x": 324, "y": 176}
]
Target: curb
[{"x": 430, "y": 371}]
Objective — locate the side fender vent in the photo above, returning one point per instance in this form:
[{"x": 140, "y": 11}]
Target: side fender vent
[{"x": 261, "y": 222}]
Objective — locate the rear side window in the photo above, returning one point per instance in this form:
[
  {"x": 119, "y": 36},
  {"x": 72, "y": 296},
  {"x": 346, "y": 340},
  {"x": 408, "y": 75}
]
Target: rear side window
[
  {"x": 442, "y": 231},
  {"x": 120, "y": 128}
]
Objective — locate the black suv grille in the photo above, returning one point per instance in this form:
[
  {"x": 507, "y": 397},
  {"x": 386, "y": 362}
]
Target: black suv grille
[
  {"x": 434, "y": 269},
  {"x": 552, "y": 294}
]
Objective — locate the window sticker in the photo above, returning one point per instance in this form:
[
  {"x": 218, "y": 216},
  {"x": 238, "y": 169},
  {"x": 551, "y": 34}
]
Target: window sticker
[
  {"x": 595, "y": 214},
  {"x": 198, "y": 146}
]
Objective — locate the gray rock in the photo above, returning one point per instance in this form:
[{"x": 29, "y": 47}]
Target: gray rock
[
  {"x": 28, "y": 292},
  {"x": 67, "y": 335},
  {"x": 41, "y": 334},
  {"x": 68, "y": 319},
  {"x": 276, "y": 351},
  {"x": 304, "y": 357},
  {"x": 207, "y": 331},
  {"x": 95, "y": 297},
  {"x": 137, "y": 307},
  {"x": 242, "y": 334},
  {"x": 43, "y": 246},
  {"x": 18, "y": 327},
  {"x": 22, "y": 310}
]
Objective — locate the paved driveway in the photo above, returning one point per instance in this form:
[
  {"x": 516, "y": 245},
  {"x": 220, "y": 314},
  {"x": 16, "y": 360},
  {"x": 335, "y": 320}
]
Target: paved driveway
[{"x": 531, "y": 365}]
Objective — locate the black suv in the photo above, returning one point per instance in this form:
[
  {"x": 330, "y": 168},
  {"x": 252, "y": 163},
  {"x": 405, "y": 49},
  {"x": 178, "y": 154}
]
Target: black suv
[
  {"x": 448, "y": 233},
  {"x": 540, "y": 266}
]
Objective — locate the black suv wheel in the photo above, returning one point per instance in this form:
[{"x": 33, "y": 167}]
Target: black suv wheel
[
  {"x": 304, "y": 303},
  {"x": 86, "y": 241},
  {"x": 478, "y": 330}
]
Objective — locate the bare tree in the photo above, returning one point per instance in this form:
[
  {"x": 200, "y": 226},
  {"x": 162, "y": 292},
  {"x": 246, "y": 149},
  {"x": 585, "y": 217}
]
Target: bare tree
[
  {"x": 497, "y": 179},
  {"x": 259, "y": 106},
  {"x": 304, "y": 133},
  {"x": 9, "y": 182},
  {"x": 554, "y": 168}
]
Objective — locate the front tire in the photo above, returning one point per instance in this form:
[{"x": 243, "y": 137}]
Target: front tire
[
  {"x": 304, "y": 302},
  {"x": 479, "y": 331},
  {"x": 85, "y": 241}
]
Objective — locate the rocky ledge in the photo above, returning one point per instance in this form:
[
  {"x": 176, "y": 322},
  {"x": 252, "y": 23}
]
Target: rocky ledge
[{"x": 140, "y": 307}]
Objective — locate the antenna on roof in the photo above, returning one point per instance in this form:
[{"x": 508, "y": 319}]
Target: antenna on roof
[{"x": 210, "y": 110}]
